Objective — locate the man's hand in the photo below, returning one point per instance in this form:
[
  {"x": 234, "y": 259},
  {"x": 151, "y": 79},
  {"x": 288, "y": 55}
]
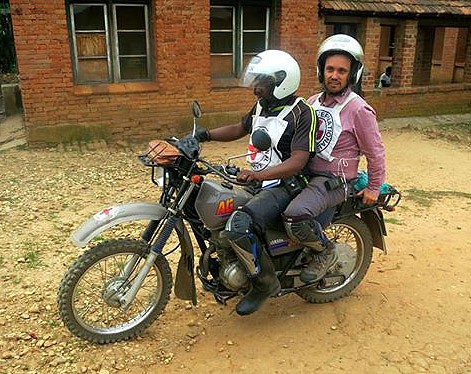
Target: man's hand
[
  {"x": 248, "y": 176},
  {"x": 202, "y": 134},
  {"x": 369, "y": 197}
]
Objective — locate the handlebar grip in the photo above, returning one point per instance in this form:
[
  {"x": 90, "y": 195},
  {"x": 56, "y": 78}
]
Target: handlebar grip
[{"x": 232, "y": 170}]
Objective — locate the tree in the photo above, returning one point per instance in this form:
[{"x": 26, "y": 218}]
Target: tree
[
  {"x": 7, "y": 50},
  {"x": 7, "y": 42}
]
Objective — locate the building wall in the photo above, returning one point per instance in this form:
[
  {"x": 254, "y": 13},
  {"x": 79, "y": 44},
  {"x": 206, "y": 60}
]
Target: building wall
[
  {"x": 140, "y": 109},
  {"x": 444, "y": 66},
  {"x": 51, "y": 98},
  {"x": 420, "y": 101},
  {"x": 299, "y": 29},
  {"x": 467, "y": 64},
  {"x": 373, "y": 36},
  {"x": 57, "y": 110}
]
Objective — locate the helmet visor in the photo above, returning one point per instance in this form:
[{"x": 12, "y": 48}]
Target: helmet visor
[
  {"x": 254, "y": 80},
  {"x": 253, "y": 77}
]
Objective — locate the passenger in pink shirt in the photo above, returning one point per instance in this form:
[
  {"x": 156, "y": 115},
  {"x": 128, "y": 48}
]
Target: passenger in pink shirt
[{"x": 346, "y": 129}]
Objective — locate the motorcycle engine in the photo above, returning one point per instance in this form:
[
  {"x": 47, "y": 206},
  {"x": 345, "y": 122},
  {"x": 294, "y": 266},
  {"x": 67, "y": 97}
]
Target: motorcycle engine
[
  {"x": 231, "y": 272},
  {"x": 233, "y": 275}
]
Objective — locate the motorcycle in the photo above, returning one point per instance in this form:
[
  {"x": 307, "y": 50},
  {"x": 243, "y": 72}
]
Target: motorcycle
[{"x": 119, "y": 287}]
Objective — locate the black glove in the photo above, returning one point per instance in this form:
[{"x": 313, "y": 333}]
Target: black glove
[{"x": 202, "y": 134}]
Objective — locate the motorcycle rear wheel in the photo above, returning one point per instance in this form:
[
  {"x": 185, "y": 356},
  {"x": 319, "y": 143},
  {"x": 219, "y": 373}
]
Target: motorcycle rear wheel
[
  {"x": 353, "y": 239},
  {"x": 88, "y": 296}
]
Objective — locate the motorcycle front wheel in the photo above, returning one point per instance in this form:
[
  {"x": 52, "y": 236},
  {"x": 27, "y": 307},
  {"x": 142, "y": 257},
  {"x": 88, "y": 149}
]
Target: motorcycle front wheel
[
  {"x": 90, "y": 292},
  {"x": 354, "y": 246}
]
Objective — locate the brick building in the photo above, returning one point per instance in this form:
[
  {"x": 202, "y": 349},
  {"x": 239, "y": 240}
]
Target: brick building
[{"x": 129, "y": 68}]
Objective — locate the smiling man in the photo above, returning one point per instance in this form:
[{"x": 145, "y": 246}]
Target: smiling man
[{"x": 347, "y": 128}]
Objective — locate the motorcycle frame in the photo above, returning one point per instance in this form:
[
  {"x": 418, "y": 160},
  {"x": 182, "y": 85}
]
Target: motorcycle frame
[{"x": 168, "y": 213}]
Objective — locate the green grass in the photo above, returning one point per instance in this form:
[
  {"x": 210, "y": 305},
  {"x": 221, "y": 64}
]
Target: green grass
[
  {"x": 33, "y": 259},
  {"x": 52, "y": 323},
  {"x": 462, "y": 128},
  {"x": 459, "y": 133},
  {"x": 426, "y": 198},
  {"x": 393, "y": 221}
]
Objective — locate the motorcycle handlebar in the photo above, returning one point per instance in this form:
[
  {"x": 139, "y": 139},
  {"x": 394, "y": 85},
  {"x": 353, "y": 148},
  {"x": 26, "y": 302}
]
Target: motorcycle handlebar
[
  {"x": 389, "y": 204},
  {"x": 228, "y": 173}
]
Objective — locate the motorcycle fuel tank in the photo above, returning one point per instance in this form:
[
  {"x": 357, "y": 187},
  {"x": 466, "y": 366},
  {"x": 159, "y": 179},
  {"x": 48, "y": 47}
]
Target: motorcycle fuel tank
[{"x": 216, "y": 201}]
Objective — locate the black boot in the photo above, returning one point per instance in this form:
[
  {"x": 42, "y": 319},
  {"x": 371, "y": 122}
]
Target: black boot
[{"x": 266, "y": 284}]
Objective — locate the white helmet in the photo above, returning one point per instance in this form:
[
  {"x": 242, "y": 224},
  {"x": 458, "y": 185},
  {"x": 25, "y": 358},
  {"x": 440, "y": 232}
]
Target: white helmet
[
  {"x": 341, "y": 44},
  {"x": 278, "y": 67}
]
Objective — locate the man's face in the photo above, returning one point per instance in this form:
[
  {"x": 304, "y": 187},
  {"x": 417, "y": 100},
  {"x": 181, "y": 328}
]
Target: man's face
[
  {"x": 262, "y": 88},
  {"x": 336, "y": 73}
]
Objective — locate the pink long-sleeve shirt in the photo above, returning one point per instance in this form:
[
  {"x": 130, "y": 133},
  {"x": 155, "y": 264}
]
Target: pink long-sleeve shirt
[{"x": 360, "y": 136}]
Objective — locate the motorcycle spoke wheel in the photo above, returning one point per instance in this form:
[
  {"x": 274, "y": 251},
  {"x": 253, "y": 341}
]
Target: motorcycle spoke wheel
[
  {"x": 354, "y": 247},
  {"x": 89, "y": 295}
]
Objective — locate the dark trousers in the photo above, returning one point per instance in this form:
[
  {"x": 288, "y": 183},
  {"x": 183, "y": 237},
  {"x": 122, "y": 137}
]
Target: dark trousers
[{"x": 267, "y": 206}]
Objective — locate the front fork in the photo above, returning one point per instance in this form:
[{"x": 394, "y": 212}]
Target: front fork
[{"x": 157, "y": 247}]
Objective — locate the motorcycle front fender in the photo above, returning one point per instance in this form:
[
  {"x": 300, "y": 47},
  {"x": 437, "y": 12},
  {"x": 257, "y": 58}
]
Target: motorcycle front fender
[{"x": 115, "y": 215}]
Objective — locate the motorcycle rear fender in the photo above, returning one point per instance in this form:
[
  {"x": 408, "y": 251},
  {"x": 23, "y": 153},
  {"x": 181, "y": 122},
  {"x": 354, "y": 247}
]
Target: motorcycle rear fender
[
  {"x": 113, "y": 216},
  {"x": 375, "y": 222}
]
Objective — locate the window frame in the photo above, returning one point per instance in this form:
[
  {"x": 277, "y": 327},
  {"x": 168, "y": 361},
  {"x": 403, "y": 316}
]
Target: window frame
[
  {"x": 111, "y": 31},
  {"x": 239, "y": 34}
]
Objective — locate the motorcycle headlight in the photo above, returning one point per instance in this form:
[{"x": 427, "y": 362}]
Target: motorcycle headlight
[{"x": 159, "y": 176}]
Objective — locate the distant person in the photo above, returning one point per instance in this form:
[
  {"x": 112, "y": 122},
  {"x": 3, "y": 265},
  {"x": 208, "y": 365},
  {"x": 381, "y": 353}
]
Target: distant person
[{"x": 385, "y": 78}]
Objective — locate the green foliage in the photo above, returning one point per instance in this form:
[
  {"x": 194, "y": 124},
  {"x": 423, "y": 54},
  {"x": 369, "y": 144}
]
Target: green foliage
[{"x": 7, "y": 43}]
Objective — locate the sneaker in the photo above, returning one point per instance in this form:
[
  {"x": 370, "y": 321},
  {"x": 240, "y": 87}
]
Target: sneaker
[{"x": 321, "y": 263}]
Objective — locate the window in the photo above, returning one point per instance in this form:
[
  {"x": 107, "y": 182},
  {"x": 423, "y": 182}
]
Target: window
[
  {"x": 333, "y": 28},
  {"x": 438, "y": 44},
  {"x": 386, "y": 47},
  {"x": 461, "y": 45},
  {"x": 238, "y": 32},
  {"x": 110, "y": 41}
]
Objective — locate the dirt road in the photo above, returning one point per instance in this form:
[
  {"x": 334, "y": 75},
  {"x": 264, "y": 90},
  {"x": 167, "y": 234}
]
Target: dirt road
[{"x": 410, "y": 314}]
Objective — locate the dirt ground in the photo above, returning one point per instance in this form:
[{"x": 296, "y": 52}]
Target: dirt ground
[{"x": 409, "y": 315}]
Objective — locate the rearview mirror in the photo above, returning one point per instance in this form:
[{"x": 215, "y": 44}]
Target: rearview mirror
[
  {"x": 261, "y": 140},
  {"x": 195, "y": 107}
]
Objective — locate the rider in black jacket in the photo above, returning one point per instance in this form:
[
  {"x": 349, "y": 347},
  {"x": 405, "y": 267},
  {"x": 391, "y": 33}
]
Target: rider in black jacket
[{"x": 290, "y": 122}]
